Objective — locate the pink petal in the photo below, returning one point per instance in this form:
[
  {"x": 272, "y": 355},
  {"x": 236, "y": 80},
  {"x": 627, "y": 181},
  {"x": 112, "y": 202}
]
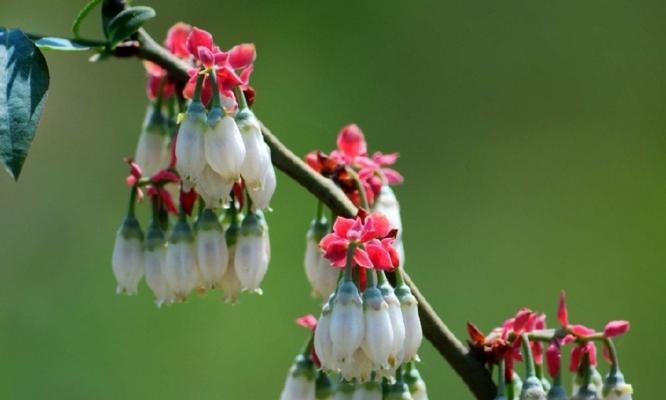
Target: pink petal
[
  {"x": 591, "y": 349},
  {"x": 312, "y": 159},
  {"x": 393, "y": 177},
  {"x": 553, "y": 359},
  {"x": 351, "y": 141},
  {"x": 176, "y": 40},
  {"x": 377, "y": 226},
  {"x": 206, "y": 57},
  {"x": 164, "y": 175},
  {"x": 328, "y": 239},
  {"x": 242, "y": 55},
  {"x": 220, "y": 58},
  {"x": 168, "y": 201},
  {"x": 198, "y": 38},
  {"x": 245, "y": 75},
  {"x": 336, "y": 253},
  {"x": 581, "y": 330},
  {"x": 307, "y": 321},
  {"x": 227, "y": 79},
  {"x": 342, "y": 226},
  {"x": 385, "y": 159},
  {"x": 187, "y": 200},
  {"x": 537, "y": 352},
  {"x": 616, "y": 328},
  {"x": 562, "y": 313},
  {"x": 521, "y": 319},
  {"x": 574, "y": 362},
  {"x": 606, "y": 354},
  {"x": 362, "y": 259},
  {"x": 380, "y": 258},
  {"x": 388, "y": 246}
]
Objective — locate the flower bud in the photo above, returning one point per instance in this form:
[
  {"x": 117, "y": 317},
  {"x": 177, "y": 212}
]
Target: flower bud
[
  {"x": 586, "y": 392},
  {"x": 257, "y": 155},
  {"x": 344, "y": 390},
  {"x": 323, "y": 343},
  {"x": 368, "y": 391},
  {"x": 152, "y": 151},
  {"x": 300, "y": 384},
  {"x": 212, "y": 252},
  {"x": 415, "y": 383},
  {"x": 322, "y": 277},
  {"x": 261, "y": 197},
  {"x": 615, "y": 388},
  {"x": 595, "y": 385},
  {"x": 225, "y": 150},
  {"x": 397, "y": 322},
  {"x": 532, "y": 389},
  {"x": 213, "y": 188},
  {"x": 229, "y": 283},
  {"x": 410, "y": 316},
  {"x": 181, "y": 263},
  {"x": 378, "y": 341},
  {"x": 127, "y": 257},
  {"x": 154, "y": 259},
  {"x": 323, "y": 386},
  {"x": 398, "y": 391},
  {"x": 190, "y": 157},
  {"x": 252, "y": 252},
  {"x": 347, "y": 323}
]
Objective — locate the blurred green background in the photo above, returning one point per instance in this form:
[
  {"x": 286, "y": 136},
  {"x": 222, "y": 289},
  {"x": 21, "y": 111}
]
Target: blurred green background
[{"x": 533, "y": 142}]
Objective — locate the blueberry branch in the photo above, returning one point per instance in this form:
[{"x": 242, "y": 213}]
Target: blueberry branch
[{"x": 472, "y": 371}]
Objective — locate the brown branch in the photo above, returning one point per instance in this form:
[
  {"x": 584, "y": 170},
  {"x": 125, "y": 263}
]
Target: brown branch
[{"x": 475, "y": 375}]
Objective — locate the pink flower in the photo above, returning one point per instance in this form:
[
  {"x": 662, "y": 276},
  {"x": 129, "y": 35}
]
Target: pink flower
[
  {"x": 616, "y": 328},
  {"x": 176, "y": 40},
  {"x": 372, "y": 237},
  {"x": 562, "y": 313},
  {"x": 577, "y": 355},
  {"x": 307, "y": 321},
  {"x": 351, "y": 142}
]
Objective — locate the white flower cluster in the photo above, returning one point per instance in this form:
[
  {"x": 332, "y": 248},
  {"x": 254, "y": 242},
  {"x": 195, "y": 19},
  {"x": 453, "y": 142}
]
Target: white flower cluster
[
  {"x": 152, "y": 151},
  {"x": 214, "y": 150},
  {"x": 323, "y": 279},
  {"x": 367, "y": 338},
  {"x": 233, "y": 258}
]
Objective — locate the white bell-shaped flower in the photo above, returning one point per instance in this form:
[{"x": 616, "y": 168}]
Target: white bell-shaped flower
[
  {"x": 225, "y": 150},
  {"x": 127, "y": 257},
  {"x": 190, "y": 156},
  {"x": 347, "y": 322},
  {"x": 230, "y": 284},
  {"x": 261, "y": 197},
  {"x": 344, "y": 390},
  {"x": 152, "y": 151},
  {"x": 181, "y": 262},
  {"x": 300, "y": 383},
  {"x": 596, "y": 382},
  {"x": 257, "y": 154},
  {"x": 323, "y": 278},
  {"x": 557, "y": 392},
  {"x": 397, "y": 322},
  {"x": 378, "y": 341},
  {"x": 387, "y": 204},
  {"x": 213, "y": 188},
  {"x": 410, "y": 316},
  {"x": 323, "y": 343},
  {"x": 615, "y": 388},
  {"x": 212, "y": 252},
  {"x": 252, "y": 252},
  {"x": 415, "y": 384},
  {"x": 532, "y": 389},
  {"x": 154, "y": 260}
]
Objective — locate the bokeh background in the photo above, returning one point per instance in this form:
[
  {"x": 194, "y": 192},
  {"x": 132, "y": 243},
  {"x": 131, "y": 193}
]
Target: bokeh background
[{"x": 533, "y": 142}]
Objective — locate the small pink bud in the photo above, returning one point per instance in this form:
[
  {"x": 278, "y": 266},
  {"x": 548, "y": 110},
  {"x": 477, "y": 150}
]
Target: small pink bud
[{"x": 616, "y": 328}]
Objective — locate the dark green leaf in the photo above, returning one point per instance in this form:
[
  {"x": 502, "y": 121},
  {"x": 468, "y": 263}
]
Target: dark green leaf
[
  {"x": 24, "y": 81},
  {"x": 76, "y": 25},
  {"x": 63, "y": 44},
  {"x": 128, "y": 22}
]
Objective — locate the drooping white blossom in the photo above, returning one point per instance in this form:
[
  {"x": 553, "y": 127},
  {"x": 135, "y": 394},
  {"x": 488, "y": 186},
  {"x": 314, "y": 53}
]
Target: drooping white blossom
[
  {"x": 252, "y": 252},
  {"x": 127, "y": 257},
  {"x": 212, "y": 252},
  {"x": 224, "y": 146},
  {"x": 213, "y": 188},
  {"x": 181, "y": 262},
  {"x": 378, "y": 339},
  {"x": 532, "y": 389},
  {"x": 190, "y": 151},
  {"x": 323, "y": 343},
  {"x": 261, "y": 197},
  {"x": 322, "y": 277},
  {"x": 154, "y": 260},
  {"x": 257, "y": 155},
  {"x": 300, "y": 383},
  {"x": 397, "y": 321},
  {"x": 410, "y": 316},
  {"x": 152, "y": 151},
  {"x": 347, "y": 322}
]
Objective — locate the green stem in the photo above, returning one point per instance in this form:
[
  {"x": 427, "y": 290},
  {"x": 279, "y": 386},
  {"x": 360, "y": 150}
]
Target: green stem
[
  {"x": 371, "y": 277},
  {"x": 320, "y": 210},
  {"x": 501, "y": 383},
  {"x": 399, "y": 279},
  {"x": 309, "y": 345},
  {"x": 381, "y": 277},
  {"x": 359, "y": 186},
  {"x": 132, "y": 200},
  {"x": 349, "y": 266},
  {"x": 197, "y": 88},
  {"x": 615, "y": 361},
  {"x": 527, "y": 353},
  {"x": 216, "y": 91},
  {"x": 240, "y": 98}
]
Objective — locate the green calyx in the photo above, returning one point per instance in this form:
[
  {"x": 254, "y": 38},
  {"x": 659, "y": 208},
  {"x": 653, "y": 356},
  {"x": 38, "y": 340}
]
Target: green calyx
[
  {"x": 130, "y": 228},
  {"x": 208, "y": 221},
  {"x": 214, "y": 116},
  {"x": 252, "y": 225},
  {"x": 403, "y": 292},
  {"x": 345, "y": 387},
  {"x": 399, "y": 391},
  {"x": 411, "y": 375},
  {"x": 347, "y": 294},
  {"x": 557, "y": 392},
  {"x": 373, "y": 299},
  {"x": 181, "y": 232},
  {"x": 303, "y": 368},
  {"x": 323, "y": 386},
  {"x": 232, "y": 232},
  {"x": 156, "y": 122},
  {"x": 155, "y": 238},
  {"x": 319, "y": 227},
  {"x": 613, "y": 380}
]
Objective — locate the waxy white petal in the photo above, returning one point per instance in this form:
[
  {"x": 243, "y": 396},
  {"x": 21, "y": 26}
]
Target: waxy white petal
[{"x": 225, "y": 150}]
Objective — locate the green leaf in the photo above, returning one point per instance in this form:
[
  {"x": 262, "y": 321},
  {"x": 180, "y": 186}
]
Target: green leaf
[
  {"x": 128, "y": 22},
  {"x": 63, "y": 44},
  {"x": 24, "y": 81},
  {"x": 76, "y": 25}
]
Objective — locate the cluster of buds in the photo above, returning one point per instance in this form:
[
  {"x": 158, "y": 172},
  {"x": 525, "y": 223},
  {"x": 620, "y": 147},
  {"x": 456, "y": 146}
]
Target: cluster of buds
[
  {"x": 366, "y": 180},
  {"x": 306, "y": 380},
  {"x": 367, "y": 329},
  {"x": 523, "y": 337},
  {"x": 217, "y": 156}
]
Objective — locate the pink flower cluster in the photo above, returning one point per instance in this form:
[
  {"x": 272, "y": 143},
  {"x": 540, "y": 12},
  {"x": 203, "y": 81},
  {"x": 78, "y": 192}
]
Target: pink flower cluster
[
  {"x": 372, "y": 238},
  {"x": 196, "y": 47},
  {"x": 352, "y": 153}
]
